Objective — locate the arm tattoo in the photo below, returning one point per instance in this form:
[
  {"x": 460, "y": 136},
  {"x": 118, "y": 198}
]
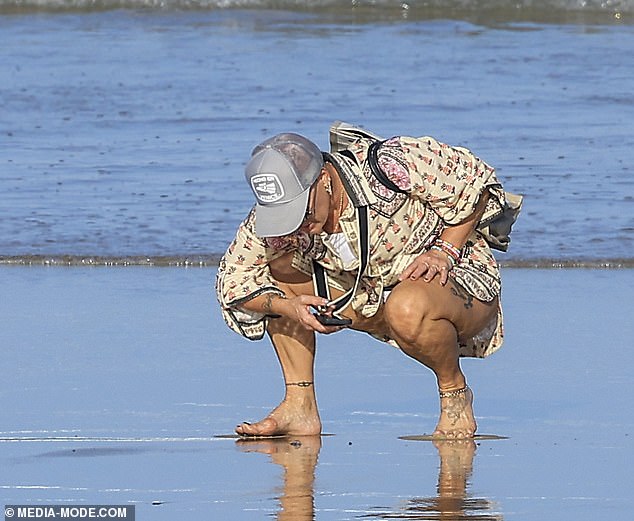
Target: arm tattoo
[{"x": 268, "y": 302}]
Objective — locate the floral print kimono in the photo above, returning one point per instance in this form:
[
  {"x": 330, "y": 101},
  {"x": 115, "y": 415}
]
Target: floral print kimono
[{"x": 438, "y": 186}]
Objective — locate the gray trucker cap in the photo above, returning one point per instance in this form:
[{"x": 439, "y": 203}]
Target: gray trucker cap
[{"x": 280, "y": 172}]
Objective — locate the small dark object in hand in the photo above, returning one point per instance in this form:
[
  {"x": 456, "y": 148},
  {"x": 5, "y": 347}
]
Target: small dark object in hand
[{"x": 328, "y": 320}]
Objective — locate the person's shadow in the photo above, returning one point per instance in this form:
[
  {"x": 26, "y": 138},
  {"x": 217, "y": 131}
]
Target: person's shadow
[{"x": 452, "y": 502}]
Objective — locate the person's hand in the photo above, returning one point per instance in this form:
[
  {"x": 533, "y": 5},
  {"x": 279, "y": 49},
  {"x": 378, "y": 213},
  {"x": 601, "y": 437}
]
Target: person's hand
[
  {"x": 428, "y": 265},
  {"x": 302, "y": 311}
]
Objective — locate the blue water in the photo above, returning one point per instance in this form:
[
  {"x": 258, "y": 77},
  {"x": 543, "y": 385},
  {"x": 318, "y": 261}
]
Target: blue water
[{"x": 124, "y": 132}]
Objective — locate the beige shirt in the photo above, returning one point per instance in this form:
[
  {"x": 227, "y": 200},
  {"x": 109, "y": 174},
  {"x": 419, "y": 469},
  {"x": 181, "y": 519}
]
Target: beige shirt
[{"x": 443, "y": 185}]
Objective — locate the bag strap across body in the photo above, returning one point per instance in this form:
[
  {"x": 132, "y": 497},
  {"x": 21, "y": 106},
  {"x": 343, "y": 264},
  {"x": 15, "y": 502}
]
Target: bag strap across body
[
  {"x": 495, "y": 232},
  {"x": 320, "y": 276}
]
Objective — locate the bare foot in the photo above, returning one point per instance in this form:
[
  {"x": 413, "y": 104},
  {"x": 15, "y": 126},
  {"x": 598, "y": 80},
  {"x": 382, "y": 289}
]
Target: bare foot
[
  {"x": 285, "y": 419},
  {"x": 456, "y": 416}
]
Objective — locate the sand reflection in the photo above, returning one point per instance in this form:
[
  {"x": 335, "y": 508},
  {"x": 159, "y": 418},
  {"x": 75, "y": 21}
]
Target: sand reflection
[
  {"x": 298, "y": 458},
  {"x": 452, "y": 501}
]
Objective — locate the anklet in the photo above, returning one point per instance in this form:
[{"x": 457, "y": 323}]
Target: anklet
[
  {"x": 453, "y": 394},
  {"x": 300, "y": 384}
]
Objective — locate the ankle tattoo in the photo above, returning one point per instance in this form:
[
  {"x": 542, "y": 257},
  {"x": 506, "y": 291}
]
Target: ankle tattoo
[{"x": 300, "y": 384}]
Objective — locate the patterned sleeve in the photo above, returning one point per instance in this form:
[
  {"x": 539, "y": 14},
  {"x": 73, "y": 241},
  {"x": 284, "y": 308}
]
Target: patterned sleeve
[
  {"x": 450, "y": 179},
  {"x": 243, "y": 274}
]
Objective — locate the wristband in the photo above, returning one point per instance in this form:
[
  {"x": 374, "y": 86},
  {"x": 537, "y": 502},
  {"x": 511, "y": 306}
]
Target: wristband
[
  {"x": 453, "y": 252},
  {"x": 449, "y": 257}
]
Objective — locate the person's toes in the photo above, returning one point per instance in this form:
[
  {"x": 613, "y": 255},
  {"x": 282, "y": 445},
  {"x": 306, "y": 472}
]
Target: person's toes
[
  {"x": 240, "y": 427},
  {"x": 266, "y": 427},
  {"x": 452, "y": 435}
]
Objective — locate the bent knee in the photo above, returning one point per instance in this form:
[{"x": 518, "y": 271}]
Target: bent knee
[{"x": 406, "y": 312}]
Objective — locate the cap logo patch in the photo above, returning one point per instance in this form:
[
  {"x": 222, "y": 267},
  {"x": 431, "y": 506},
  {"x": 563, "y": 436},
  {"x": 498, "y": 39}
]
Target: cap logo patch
[{"x": 267, "y": 188}]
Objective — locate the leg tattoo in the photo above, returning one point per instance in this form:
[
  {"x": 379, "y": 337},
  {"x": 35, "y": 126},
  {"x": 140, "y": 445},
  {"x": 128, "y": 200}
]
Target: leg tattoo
[{"x": 458, "y": 291}]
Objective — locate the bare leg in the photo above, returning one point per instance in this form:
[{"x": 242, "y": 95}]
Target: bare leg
[
  {"x": 426, "y": 319},
  {"x": 294, "y": 346}
]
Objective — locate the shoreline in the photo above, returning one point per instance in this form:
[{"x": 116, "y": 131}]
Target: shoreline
[
  {"x": 212, "y": 260},
  {"x": 487, "y": 13}
]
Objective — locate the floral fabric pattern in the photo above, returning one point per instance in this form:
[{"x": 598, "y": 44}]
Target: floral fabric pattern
[{"x": 443, "y": 185}]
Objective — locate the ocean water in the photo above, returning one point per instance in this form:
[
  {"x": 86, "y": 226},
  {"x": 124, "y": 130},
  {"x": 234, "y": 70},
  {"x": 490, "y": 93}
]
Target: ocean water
[{"x": 125, "y": 124}]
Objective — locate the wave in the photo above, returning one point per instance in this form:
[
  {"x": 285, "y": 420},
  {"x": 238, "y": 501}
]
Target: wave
[
  {"x": 211, "y": 260},
  {"x": 379, "y": 7}
]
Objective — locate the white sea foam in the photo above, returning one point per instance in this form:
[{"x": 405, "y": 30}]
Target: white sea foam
[{"x": 377, "y": 5}]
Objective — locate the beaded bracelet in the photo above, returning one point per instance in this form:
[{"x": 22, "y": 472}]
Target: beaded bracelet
[{"x": 449, "y": 249}]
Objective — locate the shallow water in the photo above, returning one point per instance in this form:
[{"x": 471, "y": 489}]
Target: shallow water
[
  {"x": 132, "y": 372},
  {"x": 124, "y": 132}
]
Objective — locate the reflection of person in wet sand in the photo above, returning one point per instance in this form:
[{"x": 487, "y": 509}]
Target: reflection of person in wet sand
[
  {"x": 298, "y": 458},
  {"x": 452, "y": 502},
  {"x": 396, "y": 234}
]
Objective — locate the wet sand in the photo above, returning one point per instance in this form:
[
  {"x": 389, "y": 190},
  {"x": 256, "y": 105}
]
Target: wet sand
[{"x": 116, "y": 381}]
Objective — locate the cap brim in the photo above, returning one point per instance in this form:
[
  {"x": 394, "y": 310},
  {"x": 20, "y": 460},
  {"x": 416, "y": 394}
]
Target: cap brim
[{"x": 275, "y": 220}]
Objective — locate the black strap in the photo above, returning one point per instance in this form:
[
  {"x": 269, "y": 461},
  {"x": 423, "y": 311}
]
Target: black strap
[
  {"x": 373, "y": 163},
  {"x": 319, "y": 281},
  {"x": 320, "y": 278}
]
